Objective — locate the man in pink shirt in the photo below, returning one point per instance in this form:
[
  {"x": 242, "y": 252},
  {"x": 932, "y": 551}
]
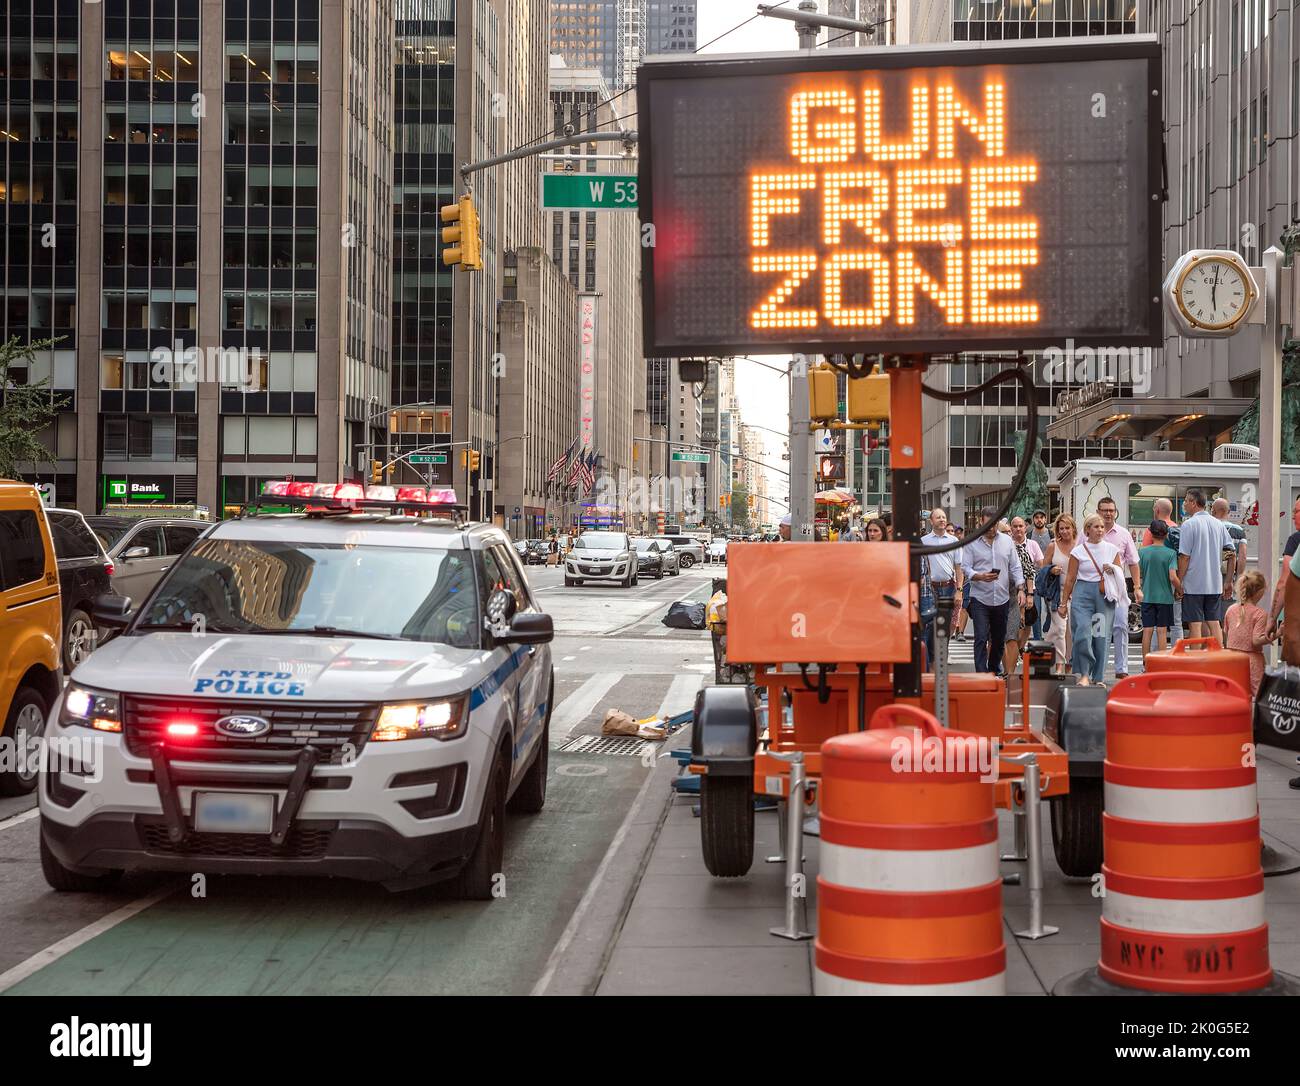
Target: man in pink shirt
[{"x": 1128, "y": 555}]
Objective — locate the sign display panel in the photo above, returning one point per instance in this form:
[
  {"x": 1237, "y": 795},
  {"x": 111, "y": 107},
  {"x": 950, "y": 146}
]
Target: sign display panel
[{"x": 887, "y": 200}]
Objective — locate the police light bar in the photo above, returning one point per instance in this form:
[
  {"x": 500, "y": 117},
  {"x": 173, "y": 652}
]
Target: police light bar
[{"x": 336, "y": 494}]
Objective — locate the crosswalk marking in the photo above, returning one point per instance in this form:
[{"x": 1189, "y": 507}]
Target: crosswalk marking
[
  {"x": 570, "y": 712},
  {"x": 681, "y": 695}
]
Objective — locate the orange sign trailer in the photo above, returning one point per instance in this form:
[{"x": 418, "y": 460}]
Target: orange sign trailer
[{"x": 836, "y": 633}]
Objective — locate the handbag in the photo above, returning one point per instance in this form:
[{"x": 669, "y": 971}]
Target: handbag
[
  {"x": 1112, "y": 581},
  {"x": 1277, "y": 708}
]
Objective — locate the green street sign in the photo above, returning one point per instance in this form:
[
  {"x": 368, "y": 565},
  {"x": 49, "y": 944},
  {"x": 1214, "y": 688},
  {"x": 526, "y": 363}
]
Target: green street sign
[
  {"x": 691, "y": 458},
  {"x": 588, "y": 192},
  {"x": 428, "y": 458}
]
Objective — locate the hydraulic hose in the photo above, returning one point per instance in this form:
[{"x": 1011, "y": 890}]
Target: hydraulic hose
[{"x": 1012, "y": 373}]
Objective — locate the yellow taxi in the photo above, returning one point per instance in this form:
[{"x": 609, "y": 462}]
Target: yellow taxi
[{"x": 30, "y": 633}]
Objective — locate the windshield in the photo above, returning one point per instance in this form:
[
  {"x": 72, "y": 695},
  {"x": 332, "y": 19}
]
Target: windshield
[
  {"x": 275, "y": 587},
  {"x": 108, "y": 533},
  {"x": 601, "y": 541},
  {"x": 643, "y": 545}
]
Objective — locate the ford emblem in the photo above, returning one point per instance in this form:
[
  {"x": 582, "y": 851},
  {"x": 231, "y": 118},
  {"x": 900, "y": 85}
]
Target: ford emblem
[{"x": 242, "y": 727}]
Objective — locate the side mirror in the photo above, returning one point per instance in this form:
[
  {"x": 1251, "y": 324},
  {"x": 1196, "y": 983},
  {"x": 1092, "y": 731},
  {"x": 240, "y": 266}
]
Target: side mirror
[
  {"x": 530, "y": 628},
  {"x": 113, "y": 612},
  {"x": 135, "y": 552}
]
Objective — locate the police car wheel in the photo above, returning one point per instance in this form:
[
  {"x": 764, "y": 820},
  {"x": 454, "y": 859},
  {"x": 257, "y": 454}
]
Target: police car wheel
[
  {"x": 65, "y": 879},
  {"x": 26, "y": 721},
  {"x": 477, "y": 879}
]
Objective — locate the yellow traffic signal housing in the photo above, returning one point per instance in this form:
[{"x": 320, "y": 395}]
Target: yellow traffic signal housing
[
  {"x": 474, "y": 456},
  {"x": 376, "y": 471},
  {"x": 867, "y": 399},
  {"x": 823, "y": 405},
  {"x": 465, "y": 247},
  {"x": 464, "y": 458}
]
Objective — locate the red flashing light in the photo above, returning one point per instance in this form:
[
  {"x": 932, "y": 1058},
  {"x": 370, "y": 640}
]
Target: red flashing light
[
  {"x": 412, "y": 494},
  {"x": 182, "y": 729},
  {"x": 300, "y": 490}
]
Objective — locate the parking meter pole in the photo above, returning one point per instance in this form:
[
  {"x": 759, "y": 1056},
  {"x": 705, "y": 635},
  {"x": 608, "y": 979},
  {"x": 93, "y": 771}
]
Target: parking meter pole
[
  {"x": 794, "y": 877},
  {"x": 1033, "y": 814}
]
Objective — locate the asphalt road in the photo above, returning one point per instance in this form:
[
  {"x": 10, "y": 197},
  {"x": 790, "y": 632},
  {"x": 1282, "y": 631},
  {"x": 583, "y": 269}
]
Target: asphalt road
[{"x": 244, "y": 936}]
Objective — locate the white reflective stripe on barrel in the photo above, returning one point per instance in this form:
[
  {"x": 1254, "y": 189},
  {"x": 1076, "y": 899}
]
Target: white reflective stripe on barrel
[
  {"x": 825, "y": 984},
  {"x": 909, "y": 870},
  {"x": 1183, "y": 916},
  {"x": 1181, "y": 805}
]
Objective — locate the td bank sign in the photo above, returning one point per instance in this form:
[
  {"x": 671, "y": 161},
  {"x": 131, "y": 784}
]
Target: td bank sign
[{"x": 130, "y": 490}]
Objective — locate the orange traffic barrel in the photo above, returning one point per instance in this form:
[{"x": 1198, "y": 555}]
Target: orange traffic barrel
[
  {"x": 1203, "y": 654},
  {"x": 909, "y": 899},
  {"x": 1184, "y": 893}
]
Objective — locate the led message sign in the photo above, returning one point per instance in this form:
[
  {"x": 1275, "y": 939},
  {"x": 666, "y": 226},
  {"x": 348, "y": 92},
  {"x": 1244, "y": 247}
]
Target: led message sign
[{"x": 902, "y": 201}]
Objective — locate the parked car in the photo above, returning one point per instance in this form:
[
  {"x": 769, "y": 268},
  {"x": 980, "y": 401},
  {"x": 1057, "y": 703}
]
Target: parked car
[
  {"x": 718, "y": 551},
  {"x": 689, "y": 549},
  {"x": 142, "y": 549},
  {"x": 30, "y": 673},
  {"x": 535, "y": 552},
  {"x": 85, "y": 572}
]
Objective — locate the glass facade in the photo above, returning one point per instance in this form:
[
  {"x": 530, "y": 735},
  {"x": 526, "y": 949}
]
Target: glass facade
[
  {"x": 586, "y": 34},
  {"x": 670, "y": 26},
  {"x": 1011, "y": 20},
  {"x": 39, "y": 90}
]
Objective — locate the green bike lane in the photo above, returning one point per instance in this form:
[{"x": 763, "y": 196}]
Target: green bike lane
[{"x": 279, "y": 936}]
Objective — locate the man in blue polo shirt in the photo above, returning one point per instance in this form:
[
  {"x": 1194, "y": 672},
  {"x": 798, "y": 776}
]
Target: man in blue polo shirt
[{"x": 1200, "y": 550}]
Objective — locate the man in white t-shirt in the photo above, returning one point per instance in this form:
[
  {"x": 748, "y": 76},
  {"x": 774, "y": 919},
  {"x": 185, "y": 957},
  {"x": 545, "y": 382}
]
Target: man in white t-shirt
[{"x": 1119, "y": 538}]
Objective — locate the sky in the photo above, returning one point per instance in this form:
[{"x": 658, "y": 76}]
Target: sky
[{"x": 764, "y": 396}]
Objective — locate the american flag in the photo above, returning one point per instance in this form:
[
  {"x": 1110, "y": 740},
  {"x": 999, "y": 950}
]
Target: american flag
[
  {"x": 557, "y": 468},
  {"x": 589, "y": 472},
  {"x": 575, "y": 470}
]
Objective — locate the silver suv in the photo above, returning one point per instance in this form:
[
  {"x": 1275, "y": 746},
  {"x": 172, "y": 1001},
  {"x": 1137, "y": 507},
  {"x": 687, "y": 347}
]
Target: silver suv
[{"x": 689, "y": 549}]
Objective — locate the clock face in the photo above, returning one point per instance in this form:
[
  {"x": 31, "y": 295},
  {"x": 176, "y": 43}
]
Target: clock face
[{"x": 1214, "y": 293}]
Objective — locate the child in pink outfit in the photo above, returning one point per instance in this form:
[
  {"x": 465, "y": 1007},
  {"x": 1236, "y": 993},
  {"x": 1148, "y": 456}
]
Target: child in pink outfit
[{"x": 1246, "y": 625}]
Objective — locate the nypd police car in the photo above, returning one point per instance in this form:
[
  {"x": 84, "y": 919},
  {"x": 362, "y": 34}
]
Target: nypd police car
[{"x": 355, "y": 687}]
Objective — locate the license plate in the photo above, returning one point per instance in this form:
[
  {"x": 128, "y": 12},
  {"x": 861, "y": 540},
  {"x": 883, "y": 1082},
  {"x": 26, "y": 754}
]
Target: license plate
[{"x": 233, "y": 812}]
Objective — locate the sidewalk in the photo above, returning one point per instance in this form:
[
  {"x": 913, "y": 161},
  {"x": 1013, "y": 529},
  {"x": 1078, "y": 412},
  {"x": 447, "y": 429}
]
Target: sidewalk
[{"x": 687, "y": 933}]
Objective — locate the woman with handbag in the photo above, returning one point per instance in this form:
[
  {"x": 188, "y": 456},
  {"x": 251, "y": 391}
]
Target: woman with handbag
[
  {"x": 1089, "y": 597},
  {"x": 1056, "y": 560}
]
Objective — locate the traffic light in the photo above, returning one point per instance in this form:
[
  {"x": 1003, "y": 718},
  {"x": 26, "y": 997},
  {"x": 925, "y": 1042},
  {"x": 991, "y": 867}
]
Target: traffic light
[
  {"x": 462, "y": 238},
  {"x": 722, "y": 501},
  {"x": 823, "y": 404},
  {"x": 376, "y": 471},
  {"x": 473, "y": 459},
  {"x": 751, "y": 501},
  {"x": 867, "y": 399}
]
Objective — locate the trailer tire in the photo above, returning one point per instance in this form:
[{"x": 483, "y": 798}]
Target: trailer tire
[
  {"x": 727, "y": 825},
  {"x": 1076, "y": 828}
]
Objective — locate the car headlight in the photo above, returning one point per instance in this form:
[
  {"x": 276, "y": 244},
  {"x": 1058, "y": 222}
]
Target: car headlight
[
  {"x": 91, "y": 709},
  {"x": 444, "y": 718}
]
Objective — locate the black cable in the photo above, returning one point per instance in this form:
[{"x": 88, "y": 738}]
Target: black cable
[{"x": 1013, "y": 373}]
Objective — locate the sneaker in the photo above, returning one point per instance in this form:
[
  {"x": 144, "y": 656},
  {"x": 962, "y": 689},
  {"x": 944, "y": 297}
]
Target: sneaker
[{"x": 1121, "y": 675}]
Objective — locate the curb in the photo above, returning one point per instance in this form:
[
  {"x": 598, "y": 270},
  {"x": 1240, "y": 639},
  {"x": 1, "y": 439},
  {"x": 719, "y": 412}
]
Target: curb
[{"x": 577, "y": 962}]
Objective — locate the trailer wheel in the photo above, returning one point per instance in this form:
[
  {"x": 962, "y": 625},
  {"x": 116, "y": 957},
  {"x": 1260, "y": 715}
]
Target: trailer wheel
[
  {"x": 727, "y": 825},
  {"x": 1076, "y": 828}
]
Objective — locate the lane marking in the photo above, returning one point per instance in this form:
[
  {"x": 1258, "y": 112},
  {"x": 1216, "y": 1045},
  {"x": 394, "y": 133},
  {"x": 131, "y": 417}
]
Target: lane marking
[
  {"x": 566, "y": 659},
  {"x": 680, "y": 696},
  {"x": 69, "y": 943},
  {"x": 573, "y": 710},
  {"x": 593, "y": 887},
  {"x": 19, "y": 819}
]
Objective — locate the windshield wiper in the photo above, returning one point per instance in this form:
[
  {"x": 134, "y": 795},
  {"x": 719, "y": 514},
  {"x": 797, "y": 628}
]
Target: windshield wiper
[
  {"x": 189, "y": 627},
  {"x": 338, "y": 631}
]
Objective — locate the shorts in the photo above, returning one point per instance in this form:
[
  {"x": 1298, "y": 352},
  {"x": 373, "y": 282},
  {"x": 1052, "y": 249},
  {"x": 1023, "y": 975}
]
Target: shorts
[
  {"x": 1201, "y": 608},
  {"x": 1156, "y": 616}
]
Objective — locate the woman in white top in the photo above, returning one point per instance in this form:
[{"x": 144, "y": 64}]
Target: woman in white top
[
  {"x": 1065, "y": 536},
  {"x": 1083, "y": 597}
]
